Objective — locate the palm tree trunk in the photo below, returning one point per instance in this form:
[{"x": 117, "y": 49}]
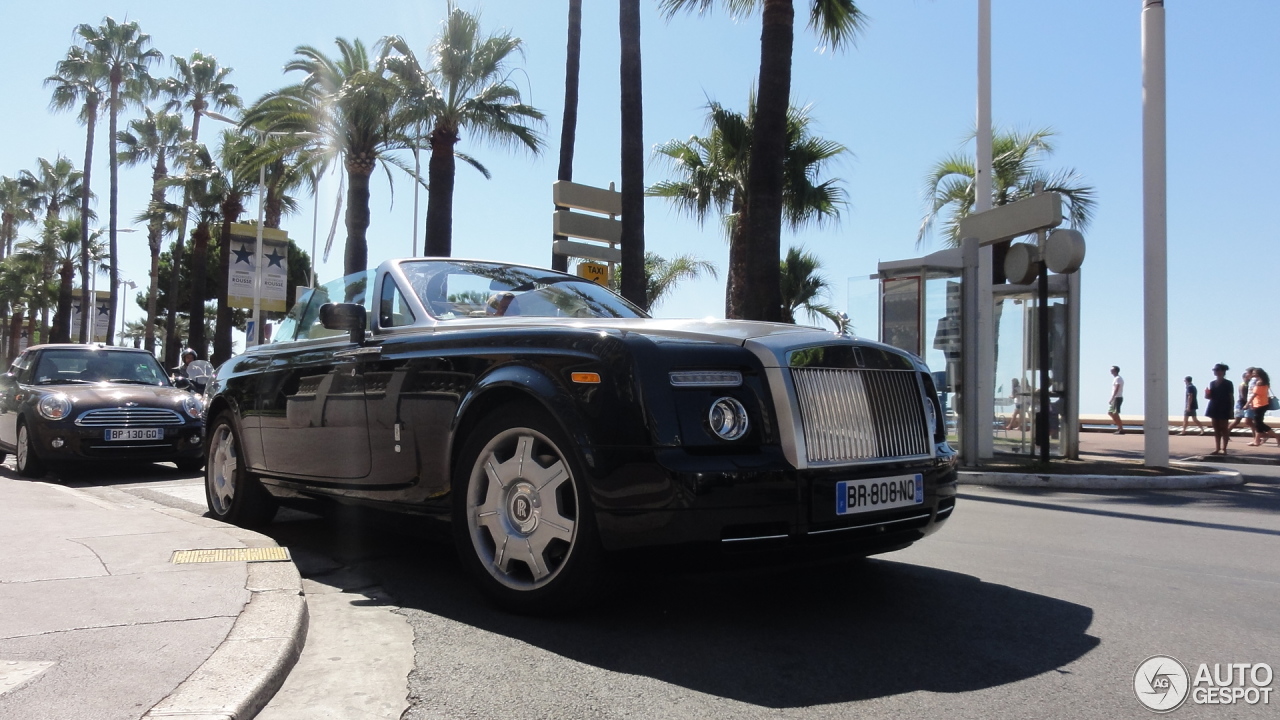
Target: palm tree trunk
[
  {"x": 768, "y": 151},
  {"x": 633, "y": 284},
  {"x": 31, "y": 326},
  {"x": 172, "y": 343},
  {"x": 15, "y": 334},
  {"x": 569, "y": 127},
  {"x": 199, "y": 261},
  {"x": 735, "y": 279},
  {"x": 222, "y": 330},
  {"x": 62, "y": 319},
  {"x": 440, "y": 174},
  {"x": 114, "y": 249},
  {"x": 356, "y": 255},
  {"x": 155, "y": 234},
  {"x": 91, "y": 113}
]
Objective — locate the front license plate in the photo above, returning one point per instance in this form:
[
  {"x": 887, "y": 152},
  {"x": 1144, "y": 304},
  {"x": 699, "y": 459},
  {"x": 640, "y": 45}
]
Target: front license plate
[
  {"x": 859, "y": 496},
  {"x": 134, "y": 434}
]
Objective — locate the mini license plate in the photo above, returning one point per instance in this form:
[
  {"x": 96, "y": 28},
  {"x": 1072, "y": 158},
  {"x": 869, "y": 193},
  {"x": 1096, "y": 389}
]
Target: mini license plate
[
  {"x": 134, "y": 434},
  {"x": 859, "y": 496}
]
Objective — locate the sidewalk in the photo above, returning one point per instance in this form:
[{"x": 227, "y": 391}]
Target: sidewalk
[
  {"x": 1191, "y": 446},
  {"x": 97, "y": 622}
]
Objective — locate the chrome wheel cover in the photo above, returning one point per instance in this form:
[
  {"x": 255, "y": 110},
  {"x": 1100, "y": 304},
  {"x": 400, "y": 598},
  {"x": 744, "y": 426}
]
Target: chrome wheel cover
[
  {"x": 522, "y": 509},
  {"x": 220, "y": 471},
  {"x": 24, "y": 449}
]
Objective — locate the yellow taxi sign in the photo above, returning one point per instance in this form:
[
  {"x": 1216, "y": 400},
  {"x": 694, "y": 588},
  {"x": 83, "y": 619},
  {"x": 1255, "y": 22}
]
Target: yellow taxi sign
[{"x": 595, "y": 272}]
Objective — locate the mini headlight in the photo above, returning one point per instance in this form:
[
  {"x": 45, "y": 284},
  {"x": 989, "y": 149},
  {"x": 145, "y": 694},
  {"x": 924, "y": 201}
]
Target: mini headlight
[
  {"x": 728, "y": 419},
  {"x": 54, "y": 407},
  {"x": 193, "y": 406}
]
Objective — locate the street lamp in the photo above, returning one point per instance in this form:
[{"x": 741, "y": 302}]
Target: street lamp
[
  {"x": 132, "y": 286},
  {"x": 89, "y": 290}
]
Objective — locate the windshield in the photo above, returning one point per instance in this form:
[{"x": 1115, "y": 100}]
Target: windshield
[
  {"x": 462, "y": 290},
  {"x": 66, "y": 367}
]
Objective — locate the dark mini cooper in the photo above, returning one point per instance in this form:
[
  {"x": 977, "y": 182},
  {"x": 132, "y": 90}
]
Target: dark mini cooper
[
  {"x": 554, "y": 423},
  {"x": 79, "y": 404}
]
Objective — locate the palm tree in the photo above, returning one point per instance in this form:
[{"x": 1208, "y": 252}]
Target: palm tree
[
  {"x": 15, "y": 210},
  {"x": 837, "y": 23},
  {"x": 198, "y": 82},
  {"x": 53, "y": 188},
  {"x": 466, "y": 88},
  {"x": 124, "y": 50},
  {"x": 157, "y": 138},
  {"x": 632, "y": 145},
  {"x": 201, "y": 184},
  {"x": 343, "y": 109},
  {"x": 1015, "y": 171},
  {"x": 803, "y": 287},
  {"x": 661, "y": 276},
  {"x": 713, "y": 174},
  {"x": 569, "y": 124},
  {"x": 81, "y": 78}
]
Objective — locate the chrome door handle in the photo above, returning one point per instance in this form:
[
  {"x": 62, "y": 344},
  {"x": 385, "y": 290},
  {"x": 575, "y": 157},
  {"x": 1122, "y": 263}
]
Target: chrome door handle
[{"x": 358, "y": 352}]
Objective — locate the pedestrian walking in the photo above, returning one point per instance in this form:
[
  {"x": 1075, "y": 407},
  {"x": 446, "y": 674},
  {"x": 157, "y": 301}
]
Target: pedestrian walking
[
  {"x": 1261, "y": 402},
  {"x": 1117, "y": 399},
  {"x": 1190, "y": 406},
  {"x": 1220, "y": 394},
  {"x": 1244, "y": 413},
  {"x": 1016, "y": 422}
]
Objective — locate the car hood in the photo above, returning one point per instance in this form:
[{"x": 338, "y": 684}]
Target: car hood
[{"x": 116, "y": 395}]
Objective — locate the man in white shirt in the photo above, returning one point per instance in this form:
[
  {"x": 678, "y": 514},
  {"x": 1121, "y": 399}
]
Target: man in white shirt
[{"x": 1117, "y": 399}]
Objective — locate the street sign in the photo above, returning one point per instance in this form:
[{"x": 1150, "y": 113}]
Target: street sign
[
  {"x": 567, "y": 194},
  {"x": 587, "y": 227},
  {"x": 1016, "y": 219},
  {"x": 587, "y": 251},
  {"x": 595, "y": 272}
]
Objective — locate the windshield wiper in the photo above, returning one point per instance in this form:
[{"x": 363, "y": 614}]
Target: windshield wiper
[
  {"x": 62, "y": 381},
  {"x": 134, "y": 382}
]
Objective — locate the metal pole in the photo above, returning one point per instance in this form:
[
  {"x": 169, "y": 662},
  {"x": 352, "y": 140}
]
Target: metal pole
[
  {"x": 417, "y": 174},
  {"x": 983, "y": 392},
  {"x": 969, "y": 426},
  {"x": 257, "y": 263},
  {"x": 315, "y": 223},
  {"x": 1070, "y": 426},
  {"x": 1155, "y": 293},
  {"x": 1042, "y": 332}
]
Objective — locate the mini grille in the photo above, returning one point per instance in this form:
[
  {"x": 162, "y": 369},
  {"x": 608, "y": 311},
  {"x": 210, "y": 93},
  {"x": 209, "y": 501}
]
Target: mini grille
[
  {"x": 855, "y": 415},
  {"x": 126, "y": 417}
]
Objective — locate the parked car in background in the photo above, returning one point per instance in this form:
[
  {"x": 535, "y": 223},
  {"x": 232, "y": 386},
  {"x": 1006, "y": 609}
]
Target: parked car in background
[
  {"x": 79, "y": 404},
  {"x": 554, "y": 423}
]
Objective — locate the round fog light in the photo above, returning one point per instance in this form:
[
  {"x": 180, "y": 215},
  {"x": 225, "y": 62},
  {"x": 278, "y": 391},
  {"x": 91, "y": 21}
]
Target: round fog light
[
  {"x": 194, "y": 439},
  {"x": 58, "y": 442},
  {"x": 728, "y": 419}
]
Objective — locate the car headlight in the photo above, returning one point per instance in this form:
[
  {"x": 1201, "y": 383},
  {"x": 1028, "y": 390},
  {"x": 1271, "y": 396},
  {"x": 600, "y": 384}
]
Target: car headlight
[
  {"x": 728, "y": 419},
  {"x": 54, "y": 407},
  {"x": 193, "y": 406}
]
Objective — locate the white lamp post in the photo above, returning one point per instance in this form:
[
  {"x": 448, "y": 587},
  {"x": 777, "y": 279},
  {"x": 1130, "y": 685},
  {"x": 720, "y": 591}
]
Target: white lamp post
[{"x": 1155, "y": 280}]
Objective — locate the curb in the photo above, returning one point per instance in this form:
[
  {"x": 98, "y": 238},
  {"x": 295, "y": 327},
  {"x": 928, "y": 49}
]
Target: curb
[
  {"x": 1217, "y": 478},
  {"x": 249, "y": 666}
]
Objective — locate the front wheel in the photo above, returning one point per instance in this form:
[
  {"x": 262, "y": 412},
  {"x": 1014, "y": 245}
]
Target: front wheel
[
  {"x": 27, "y": 460},
  {"x": 522, "y": 517},
  {"x": 234, "y": 496}
]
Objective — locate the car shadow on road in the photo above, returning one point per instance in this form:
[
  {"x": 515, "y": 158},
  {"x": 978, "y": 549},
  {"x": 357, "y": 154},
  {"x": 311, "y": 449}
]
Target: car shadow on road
[{"x": 777, "y": 638}]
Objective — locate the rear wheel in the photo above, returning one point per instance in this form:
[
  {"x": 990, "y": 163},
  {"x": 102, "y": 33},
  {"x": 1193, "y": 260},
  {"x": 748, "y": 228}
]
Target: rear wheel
[
  {"x": 26, "y": 458},
  {"x": 233, "y": 495},
  {"x": 522, "y": 517}
]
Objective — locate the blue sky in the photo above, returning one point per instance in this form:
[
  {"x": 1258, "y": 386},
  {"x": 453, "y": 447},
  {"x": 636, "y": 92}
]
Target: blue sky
[{"x": 900, "y": 100}]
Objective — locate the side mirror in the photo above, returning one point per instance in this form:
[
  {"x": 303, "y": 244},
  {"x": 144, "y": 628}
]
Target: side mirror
[
  {"x": 182, "y": 383},
  {"x": 345, "y": 316}
]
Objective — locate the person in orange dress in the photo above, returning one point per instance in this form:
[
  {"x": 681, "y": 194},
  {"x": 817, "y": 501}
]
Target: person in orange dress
[{"x": 1260, "y": 402}]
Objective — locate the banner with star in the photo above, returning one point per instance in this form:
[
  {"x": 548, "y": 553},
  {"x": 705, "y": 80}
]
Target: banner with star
[
  {"x": 101, "y": 313},
  {"x": 275, "y": 261}
]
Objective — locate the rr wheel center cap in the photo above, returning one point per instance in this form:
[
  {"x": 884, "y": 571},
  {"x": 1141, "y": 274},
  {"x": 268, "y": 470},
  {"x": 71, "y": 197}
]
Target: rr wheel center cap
[{"x": 523, "y": 507}]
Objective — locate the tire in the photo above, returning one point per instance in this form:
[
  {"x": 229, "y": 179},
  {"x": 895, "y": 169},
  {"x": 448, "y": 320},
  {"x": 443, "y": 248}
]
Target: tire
[
  {"x": 189, "y": 464},
  {"x": 523, "y": 523},
  {"x": 27, "y": 459},
  {"x": 3, "y": 456},
  {"x": 233, "y": 495}
]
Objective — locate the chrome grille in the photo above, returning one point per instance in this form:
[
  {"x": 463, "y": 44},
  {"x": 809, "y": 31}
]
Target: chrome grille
[
  {"x": 126, "y": 417},
  {"x": 855, "y": 415}
]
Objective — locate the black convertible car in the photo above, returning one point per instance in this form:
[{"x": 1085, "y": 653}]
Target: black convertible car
[{"x": 554, "y": 423}]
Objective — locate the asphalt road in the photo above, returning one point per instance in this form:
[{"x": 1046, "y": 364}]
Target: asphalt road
[{"x": 1027, "y": 604}]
